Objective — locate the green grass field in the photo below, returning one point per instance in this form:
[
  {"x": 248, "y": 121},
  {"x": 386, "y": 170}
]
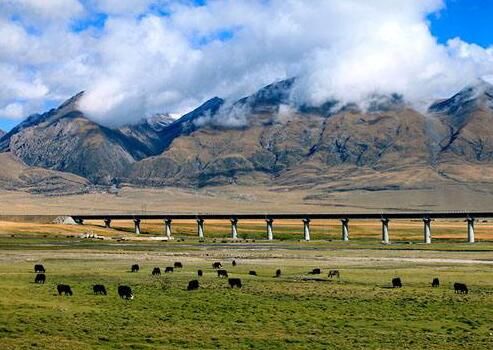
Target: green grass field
[{"x": 358, "y": 311}]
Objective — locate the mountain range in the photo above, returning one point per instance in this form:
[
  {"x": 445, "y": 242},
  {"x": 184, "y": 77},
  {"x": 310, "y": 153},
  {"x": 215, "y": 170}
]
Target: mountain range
[{"x": 260, "y": 139}]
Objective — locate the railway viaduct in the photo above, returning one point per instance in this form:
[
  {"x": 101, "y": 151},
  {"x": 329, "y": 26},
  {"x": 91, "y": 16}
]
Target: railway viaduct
[{"x": 306, "y": 218}]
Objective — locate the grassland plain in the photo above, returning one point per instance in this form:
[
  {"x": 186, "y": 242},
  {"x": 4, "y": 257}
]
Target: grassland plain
[{"x": 294, "y": 311}]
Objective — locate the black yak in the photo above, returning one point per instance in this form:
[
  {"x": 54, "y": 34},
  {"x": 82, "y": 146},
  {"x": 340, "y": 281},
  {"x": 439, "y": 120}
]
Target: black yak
[
  {"x": 63, "y": 288},
  {"x": 193, "y": 285},
  {"x": 39, "y": 268},
  {"x": 222, "y": 273},
  {"x": 334, "y": 273},
  {"x": 396, "y": 282},
  {"x": 99, "y": 289},
  {"x": 125, "y": 292},
  {"x": 40, "y": 278},
  {"x": 234, "y": 282},
  {"x": 460, "y": 288}
]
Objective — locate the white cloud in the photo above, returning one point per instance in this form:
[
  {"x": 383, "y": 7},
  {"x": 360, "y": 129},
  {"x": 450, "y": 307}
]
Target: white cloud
[
  {"x": 139, "y": 63},
  {"x": 12, "y": 111},
  {"x": 34, "y": 11}
]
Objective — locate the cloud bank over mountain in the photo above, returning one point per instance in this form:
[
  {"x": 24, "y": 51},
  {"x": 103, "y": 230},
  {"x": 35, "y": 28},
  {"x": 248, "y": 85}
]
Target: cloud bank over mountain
[{"x": 137, "y": 58}]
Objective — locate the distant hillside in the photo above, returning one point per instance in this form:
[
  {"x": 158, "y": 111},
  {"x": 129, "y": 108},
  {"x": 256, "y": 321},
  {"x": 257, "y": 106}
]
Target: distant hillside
[
  {"x": 263, "y": 139},
  {"x": 15, "y": 175}
]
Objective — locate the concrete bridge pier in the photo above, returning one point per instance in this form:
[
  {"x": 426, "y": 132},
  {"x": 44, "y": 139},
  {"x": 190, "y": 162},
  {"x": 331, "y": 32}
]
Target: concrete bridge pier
[
  {"x": 385, "y": 231},
  {"x": 137, "y": 226},
  {"x": 306, "y": 229},
  {"x": 107, "y": 223},
  {"x": 270, "y": 231},
  {"x": 427, "y": 230},
  {"x": 470, "y": 230},
  {"x": 234, "y": 228},
  {"x": 345, "y": 229},
  {"x": 200, "y": 228},
  {"x": 167, "y": 228}
]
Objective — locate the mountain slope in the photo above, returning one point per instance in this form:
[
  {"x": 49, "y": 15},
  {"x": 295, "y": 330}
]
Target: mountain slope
[
  {"x": 468, "y": 116},
  {"x": 64, "y": 139},
  {"x": 264, "y": 150},
  {"x": 271, "y": 143},
  {"x": 15, "y": 175}
]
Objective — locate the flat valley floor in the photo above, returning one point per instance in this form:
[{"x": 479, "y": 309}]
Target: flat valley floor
[{"x": 294, "y": 311}]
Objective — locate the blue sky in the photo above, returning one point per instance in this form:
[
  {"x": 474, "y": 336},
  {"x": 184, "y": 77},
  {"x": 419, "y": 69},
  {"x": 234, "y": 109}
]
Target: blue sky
[
  {"x": 146, "y": 56},
  {"x": 471, "y": 20}
]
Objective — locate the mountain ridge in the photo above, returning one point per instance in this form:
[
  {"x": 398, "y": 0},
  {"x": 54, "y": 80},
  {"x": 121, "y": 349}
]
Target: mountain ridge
[{"x": 264, "y": 139}]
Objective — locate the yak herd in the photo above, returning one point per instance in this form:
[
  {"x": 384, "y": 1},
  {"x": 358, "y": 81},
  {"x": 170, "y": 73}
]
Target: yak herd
[{"x": 125, "y": 292}]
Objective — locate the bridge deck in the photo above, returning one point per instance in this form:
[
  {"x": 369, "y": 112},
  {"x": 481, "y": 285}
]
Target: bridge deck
[{"x": 294, "y": 216}]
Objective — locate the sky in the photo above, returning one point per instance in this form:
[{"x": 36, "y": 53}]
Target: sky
[{"x": 139, "y": 57}]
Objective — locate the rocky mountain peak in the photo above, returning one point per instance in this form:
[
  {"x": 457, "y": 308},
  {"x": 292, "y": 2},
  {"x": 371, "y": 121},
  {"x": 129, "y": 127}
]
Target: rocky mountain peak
[
  {"x": 271, "y": 95},
  {"x": 475, "y": 95},
  {"x": 385, "y": 103},
  {"x": 160, "y": 121},
  {"x": 68, "y": 106},
  {"x": 71, "y": 103}
]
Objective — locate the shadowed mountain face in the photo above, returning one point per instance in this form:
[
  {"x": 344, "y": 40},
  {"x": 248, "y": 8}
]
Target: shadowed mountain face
[
  {"x": 2, "y": 133},
  {"x": 264, "y": 139},
  {"x": 467, "y": 117},
  {"x": 64, "y": 139}
]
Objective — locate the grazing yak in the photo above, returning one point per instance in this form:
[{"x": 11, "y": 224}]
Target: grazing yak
[
  {"x": 234, "y": 282},
  {"x": 40, "y": 278},
  {"x": 39, "y": 268},
  {"x": 99, "y": 289},
  {"x": 156, "y": 271},
  {"x": 233, "y": 263},
  {"x": 199, "y": 273},
  {"x": 216, "y": 265},
  {"x": 222, "y": 273},
  {"x": 435, "y": 283},
  {"x": 135, "y": 268},
  {"x": 125, "y": 292},
  {"x": 460, "y": 288},
  {"x": 252, "y": 273},
  {"x": 168, "y": 269},
  {"x": 64, "y": 288},
  {"x": 278, "y": 273},
  {"x": 315, "y": 272},
  {"x": 396, "y": 282},
  {"x": 334, "y": 273},
  {"x": 178, "y": 265},
  {"x": 193, "y": 285}
]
